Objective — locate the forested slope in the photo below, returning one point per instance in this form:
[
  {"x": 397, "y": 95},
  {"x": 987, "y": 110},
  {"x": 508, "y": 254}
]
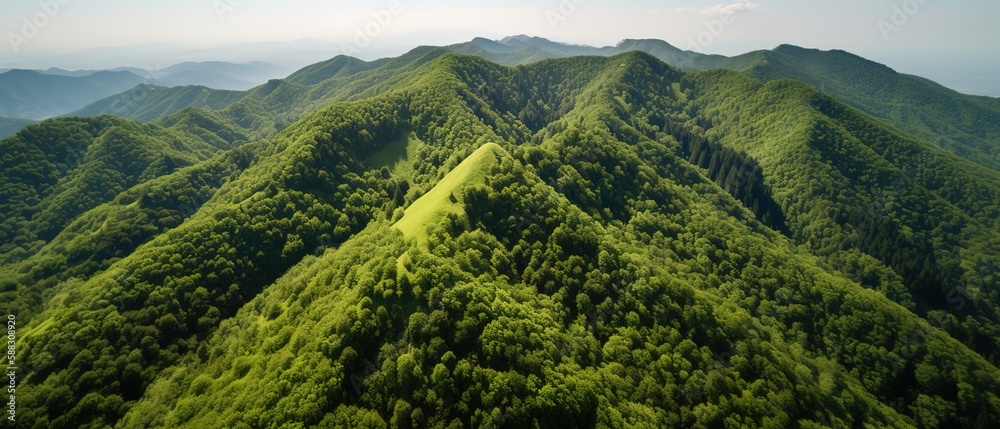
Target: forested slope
[
  {"x": 966, "y": 125},
  {"x": 148, "y": 103},
  {"x": 441, "y": 241},
  {"x": 273, "y": 106},
  {"x": 963, "y": 124},
  {"x": 53, "y": 172}
]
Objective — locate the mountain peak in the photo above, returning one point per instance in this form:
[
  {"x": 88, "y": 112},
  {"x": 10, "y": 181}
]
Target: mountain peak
[
  {"x": 627, "y": 42},
  {"x": 519, "y": 37},
  {"x": 492, "y": 45},
  {"x": 785, "y": 47}
]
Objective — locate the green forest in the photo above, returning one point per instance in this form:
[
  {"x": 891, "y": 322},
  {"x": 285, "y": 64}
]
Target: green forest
[{"x": 438, "y": 240}]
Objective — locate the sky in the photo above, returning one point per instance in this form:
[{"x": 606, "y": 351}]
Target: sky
[{"x": 949, "y": 41}]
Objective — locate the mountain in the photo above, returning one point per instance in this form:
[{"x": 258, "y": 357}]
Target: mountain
[
  {"x": 213, "y": 74},
  {"x": 71, "y": 73},
  {"x": 968, "y": 126},
  {"x": 151, "y": 102},
  {"x": 963, "y": 124},
  {"x": 438, "y": 240},
  {"x": 62, "y": 168},
  {"x": 34, "y": 95},
  {"x": 519, "y": 49},
  {"x": 523, "y": 49},
  {"x": 219, "y": 75},
  {"x": 273, "y": 106},
  {"x": 341, "y": 66},
  {"x": 153, "y": 56}
]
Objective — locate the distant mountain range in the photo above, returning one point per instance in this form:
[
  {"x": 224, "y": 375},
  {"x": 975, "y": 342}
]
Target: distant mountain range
[
  {"x": 214, "y": 74},
  {"x": 30, "y": 94},
  {"x": 42, "y": 94}
]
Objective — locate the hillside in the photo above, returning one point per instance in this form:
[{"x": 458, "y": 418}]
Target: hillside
[
  {"x": 147, "y": 103},
  {"x": 273, "y": 106},
  {"x": 60, "y": 169},
  {"x": 522, "y": 49},
  {"x": 437, "y": 240},
  {"x": 962, "y": 124},
  {"x": 968, "y": 126},
  {"x": 36, "y": 94}
]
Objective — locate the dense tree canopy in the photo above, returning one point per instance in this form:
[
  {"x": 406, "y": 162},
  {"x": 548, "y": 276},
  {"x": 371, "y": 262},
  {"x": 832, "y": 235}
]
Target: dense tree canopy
[{"x": 440, "y": 241}]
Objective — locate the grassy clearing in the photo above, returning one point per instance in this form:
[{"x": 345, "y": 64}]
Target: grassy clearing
[
  {"x": 397, "y": 156},
  {"x": 444, "y": 198}
]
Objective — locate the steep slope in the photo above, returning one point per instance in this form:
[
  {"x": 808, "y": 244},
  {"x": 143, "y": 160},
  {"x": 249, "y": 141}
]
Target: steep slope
[
  {"x": 585, "y": 241},
  {"x": 112, "y": 231},
  {"x": 966, "y": 125},
  {"x": 376, "y": 354},
  {"x": 852, "y": 190},
  {"x": 962, "y": 124},
  {"x": 278, "y": 103},
  {"x": 273, "y": 106},
  {"x": 55, "y": 171},
  {"x": 234, "y": 258},
  {"x": 421, "y": 348}
]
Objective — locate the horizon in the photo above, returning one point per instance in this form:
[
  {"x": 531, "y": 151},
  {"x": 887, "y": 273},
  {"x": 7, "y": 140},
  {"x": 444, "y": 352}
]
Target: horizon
[
  {"x": 983, "y": 82},
  {"x": 941, "y": 41}
]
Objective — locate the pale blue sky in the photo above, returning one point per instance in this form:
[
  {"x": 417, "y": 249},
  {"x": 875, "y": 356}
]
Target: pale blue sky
[{"x": 926, "y": 36}]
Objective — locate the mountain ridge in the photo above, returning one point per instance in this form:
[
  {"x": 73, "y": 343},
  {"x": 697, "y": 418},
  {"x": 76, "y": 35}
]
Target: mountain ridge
[
  {"x": 617, "y": 270},
  {"x": 444, "y": 198},
  {"x": 899, "y": 99}
]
